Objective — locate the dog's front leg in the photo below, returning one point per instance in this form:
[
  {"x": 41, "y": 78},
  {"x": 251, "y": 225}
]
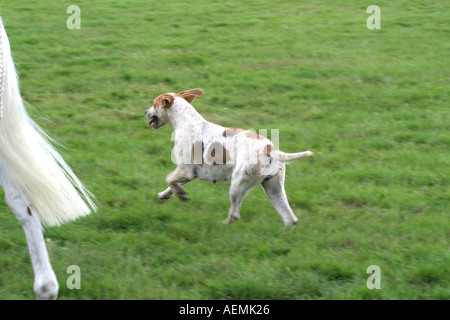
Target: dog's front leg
[
  {"x": 168, "y": 193},
  {"x": 175, "y": 180}
]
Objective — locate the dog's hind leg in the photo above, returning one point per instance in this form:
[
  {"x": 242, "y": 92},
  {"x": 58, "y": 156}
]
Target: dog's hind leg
[
  {"x": 176, "y": 179},
  {"x": 238, "y": 190},
  {"x": 274, "y": 188}
]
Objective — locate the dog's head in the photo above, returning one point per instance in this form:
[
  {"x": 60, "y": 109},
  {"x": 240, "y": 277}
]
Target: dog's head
[{"x": 159, "y": 115}]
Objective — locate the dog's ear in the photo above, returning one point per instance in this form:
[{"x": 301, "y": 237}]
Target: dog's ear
[
  {"x": 190, "y": 95},
  {"x": 164, "y": 101}
]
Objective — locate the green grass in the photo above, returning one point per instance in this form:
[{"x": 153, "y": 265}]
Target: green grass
[{"x": 371, "y": 104}]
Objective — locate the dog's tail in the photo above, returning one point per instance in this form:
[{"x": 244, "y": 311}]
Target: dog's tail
[
  {"x": 288, "y": 157},
  {"x": 47, "y": 182}
]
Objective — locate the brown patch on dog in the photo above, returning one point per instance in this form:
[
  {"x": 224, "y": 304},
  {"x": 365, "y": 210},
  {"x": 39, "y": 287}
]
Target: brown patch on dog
[
  {"x": 253, "y": 135},
  {"x": 231, "y": 132},
  {"x": 197, "y": 152},
  {"x": 269, "y": 148},
  {"x": 164, "y": 101},
  {"x": 190, "y": 95}
]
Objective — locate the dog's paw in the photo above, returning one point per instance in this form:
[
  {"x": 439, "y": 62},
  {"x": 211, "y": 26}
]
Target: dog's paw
[
  {"x": 230, "y": 219},
  {"x": 183, "y": 196},
  {"x": 164, "y": 196},
  {"x": 227, "y": 221},
  {"x": 291, "y": 223}
]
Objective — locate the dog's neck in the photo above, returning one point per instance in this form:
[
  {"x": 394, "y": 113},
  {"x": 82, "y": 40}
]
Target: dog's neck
[{"x": 183, "y": 115}]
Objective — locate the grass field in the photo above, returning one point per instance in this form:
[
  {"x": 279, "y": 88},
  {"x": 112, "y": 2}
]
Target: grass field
[{"x": 373, "y": 106}]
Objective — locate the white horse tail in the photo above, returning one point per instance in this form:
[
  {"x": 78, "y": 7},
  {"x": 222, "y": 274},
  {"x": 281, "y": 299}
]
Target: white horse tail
[{"x": 47, "y": 182}]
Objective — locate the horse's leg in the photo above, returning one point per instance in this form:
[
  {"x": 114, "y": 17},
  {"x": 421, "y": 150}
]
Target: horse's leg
[{"x": 45, "y": 283}]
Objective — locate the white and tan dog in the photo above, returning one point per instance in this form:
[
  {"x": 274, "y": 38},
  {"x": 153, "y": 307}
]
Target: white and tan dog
[{"x": 211, "y": 152}]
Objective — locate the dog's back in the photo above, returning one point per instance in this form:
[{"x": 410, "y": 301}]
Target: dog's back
[{"x": 216, "y": 146}]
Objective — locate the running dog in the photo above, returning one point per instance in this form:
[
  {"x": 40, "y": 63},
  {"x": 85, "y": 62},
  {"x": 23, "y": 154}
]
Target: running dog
[{"x": 213, "y": 153}]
